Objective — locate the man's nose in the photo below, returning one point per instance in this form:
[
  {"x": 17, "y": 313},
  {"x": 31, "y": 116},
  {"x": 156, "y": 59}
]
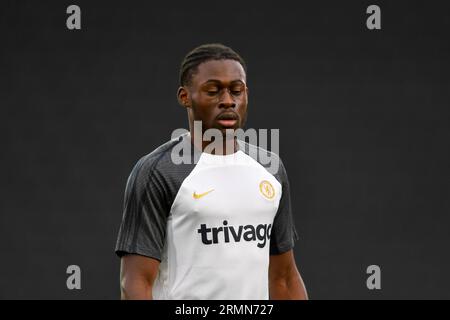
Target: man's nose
[{"x": 227, "y": 100}]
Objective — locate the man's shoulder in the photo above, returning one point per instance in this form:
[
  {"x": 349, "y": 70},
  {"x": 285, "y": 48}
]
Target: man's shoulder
[
  {"x": 254, "y": 149},
  {"x": 159, "y": 158},
  {"x": 270, "y": 160}
]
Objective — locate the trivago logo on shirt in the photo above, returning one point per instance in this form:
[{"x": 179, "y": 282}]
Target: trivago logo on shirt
[{"x": 260, "y": 233}]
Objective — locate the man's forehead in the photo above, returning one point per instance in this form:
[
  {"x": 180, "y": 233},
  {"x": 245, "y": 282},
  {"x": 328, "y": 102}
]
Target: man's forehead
[{"x": 223, "y": 70}]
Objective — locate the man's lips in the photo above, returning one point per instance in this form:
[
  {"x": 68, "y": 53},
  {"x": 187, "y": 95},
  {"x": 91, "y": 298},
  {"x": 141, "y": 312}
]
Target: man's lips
[
  {"x": 227, "y": 119},
  {"x": 227, "y": 123}
]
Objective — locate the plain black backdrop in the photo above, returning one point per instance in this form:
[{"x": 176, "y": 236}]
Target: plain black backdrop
[{"x": 363, "y": 118}]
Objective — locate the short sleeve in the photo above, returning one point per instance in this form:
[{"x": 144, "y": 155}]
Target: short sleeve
[
  {"x": 283, "y": 234},
  {"x": 145, "y": 212}
]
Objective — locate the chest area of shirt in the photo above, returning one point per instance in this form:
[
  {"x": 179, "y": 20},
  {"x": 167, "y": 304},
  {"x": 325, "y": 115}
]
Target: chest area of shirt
[{"x": 228, "y": 192}]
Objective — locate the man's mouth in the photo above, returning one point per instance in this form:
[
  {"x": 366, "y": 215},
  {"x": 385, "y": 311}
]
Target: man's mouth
[
  {"x": 227, "y": 123},
  {"x": 227, "y": 120}
]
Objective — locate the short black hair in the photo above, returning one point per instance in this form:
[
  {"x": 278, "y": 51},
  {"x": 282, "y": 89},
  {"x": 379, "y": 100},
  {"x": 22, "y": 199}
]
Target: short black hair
[{"x": 203, "y": 53}]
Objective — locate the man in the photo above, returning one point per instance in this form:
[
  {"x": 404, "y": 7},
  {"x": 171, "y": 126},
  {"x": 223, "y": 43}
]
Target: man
[{"x": 217, "y": 228}]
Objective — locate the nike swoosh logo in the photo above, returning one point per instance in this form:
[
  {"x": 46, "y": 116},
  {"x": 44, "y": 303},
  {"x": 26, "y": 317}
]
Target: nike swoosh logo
[{"x": 199, "y": 195}]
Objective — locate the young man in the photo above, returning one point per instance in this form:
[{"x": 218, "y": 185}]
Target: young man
[{"x": 219, "y": 226}]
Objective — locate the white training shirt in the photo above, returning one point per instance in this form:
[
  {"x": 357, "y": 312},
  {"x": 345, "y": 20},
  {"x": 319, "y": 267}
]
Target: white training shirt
[{"x": 212, "y": 223}]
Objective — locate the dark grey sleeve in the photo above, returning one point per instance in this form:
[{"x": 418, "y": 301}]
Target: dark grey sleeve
[
  {"x": 283, "y": 234},
  {"x": 145, "y": 212}
]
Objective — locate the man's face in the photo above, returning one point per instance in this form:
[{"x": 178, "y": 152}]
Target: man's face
[{"x": 217, "y": 95}]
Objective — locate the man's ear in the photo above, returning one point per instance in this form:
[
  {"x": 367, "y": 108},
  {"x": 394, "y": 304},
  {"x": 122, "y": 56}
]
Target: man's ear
[{"x": 183, "y": 97}]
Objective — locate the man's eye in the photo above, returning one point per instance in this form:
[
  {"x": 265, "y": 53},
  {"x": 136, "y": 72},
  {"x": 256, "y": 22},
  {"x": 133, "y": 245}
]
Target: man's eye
[
  {"x": 236, "y": 92},
  {"x": 211, "y": 91}
]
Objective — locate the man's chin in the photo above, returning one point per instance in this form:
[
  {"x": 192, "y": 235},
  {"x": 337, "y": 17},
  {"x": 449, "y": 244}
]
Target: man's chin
[{"x": 229, "y": 133}]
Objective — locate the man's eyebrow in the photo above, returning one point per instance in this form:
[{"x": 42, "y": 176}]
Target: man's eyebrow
[{"x": 220, "y": 82}]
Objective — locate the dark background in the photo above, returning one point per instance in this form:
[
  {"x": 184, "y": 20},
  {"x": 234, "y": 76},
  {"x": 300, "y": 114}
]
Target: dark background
[{"x": 363, "y": 118}]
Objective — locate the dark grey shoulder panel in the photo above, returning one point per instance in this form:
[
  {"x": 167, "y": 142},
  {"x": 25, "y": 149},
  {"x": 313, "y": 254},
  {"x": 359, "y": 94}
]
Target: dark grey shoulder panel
[
  {"x": 171, "y": 175},
  {"x": 150, "y": 191}
]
